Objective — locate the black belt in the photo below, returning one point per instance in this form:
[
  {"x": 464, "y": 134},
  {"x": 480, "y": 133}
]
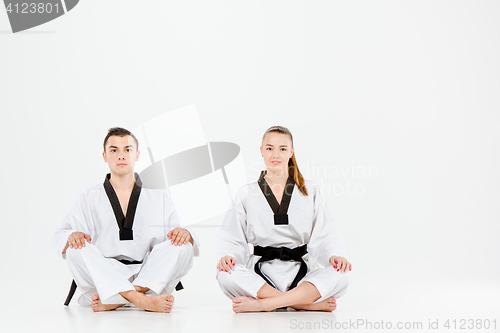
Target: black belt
[
  {"x": 282, "y": 253},
  {"x": 123, "y": 261}
]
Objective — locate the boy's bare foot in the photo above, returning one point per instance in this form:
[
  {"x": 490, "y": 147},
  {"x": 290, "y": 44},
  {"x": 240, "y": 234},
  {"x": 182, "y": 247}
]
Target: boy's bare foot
[
  {"x": 97, "y": 306},
  {"x": 328, "y": 305},
  {"x": 161, "y": 303},
  {"x": 141, "y": 289}
]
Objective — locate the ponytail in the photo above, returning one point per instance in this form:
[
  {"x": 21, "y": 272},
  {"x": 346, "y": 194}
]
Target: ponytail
[{"x": 293, "y": 171}]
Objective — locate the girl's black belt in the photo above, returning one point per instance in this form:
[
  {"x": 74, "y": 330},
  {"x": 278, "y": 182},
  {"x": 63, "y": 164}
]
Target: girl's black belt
[{"x": 282, "y": 253}]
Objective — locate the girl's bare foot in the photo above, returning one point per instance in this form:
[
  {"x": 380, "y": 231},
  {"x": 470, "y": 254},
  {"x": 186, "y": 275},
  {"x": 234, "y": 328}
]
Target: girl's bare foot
[
  {"x": 248, "y": 304},
  {"x": 97, "y": 306},
  {"x": 242, "y": 299},
  {"x": 328, "y": 305}
]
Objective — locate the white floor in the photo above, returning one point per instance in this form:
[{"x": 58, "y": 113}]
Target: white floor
[{"x": 202, "y": 307}]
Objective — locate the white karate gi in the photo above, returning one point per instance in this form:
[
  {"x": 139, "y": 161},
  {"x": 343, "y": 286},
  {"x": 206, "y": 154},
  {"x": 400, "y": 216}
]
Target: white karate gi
[
  {"x": 96, "y": 268},
  {"x": 251, "y": 221}
]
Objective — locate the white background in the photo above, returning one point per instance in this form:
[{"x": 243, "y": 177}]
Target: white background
[{"x": 407, "y": 89}]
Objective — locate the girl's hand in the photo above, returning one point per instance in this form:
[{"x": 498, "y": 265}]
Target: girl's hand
[
  {"x": 340, "y": 263},
  {"x": 226, "y": 263}
]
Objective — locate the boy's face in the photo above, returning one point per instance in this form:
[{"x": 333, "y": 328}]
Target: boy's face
[{"x": 121, "y": 154}]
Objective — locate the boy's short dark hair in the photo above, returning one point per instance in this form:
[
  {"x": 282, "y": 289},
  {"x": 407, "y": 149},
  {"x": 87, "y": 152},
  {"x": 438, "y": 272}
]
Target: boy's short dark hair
[{"x": 119, "y": 131}]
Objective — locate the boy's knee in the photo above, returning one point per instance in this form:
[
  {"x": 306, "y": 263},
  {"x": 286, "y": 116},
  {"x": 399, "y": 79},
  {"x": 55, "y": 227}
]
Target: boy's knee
[
  {"x": 185, "y": 250},
  {"x": 74, "y": 256},
  {"x": 164, "y": 246},
  {"x": 72, "y": 253}
]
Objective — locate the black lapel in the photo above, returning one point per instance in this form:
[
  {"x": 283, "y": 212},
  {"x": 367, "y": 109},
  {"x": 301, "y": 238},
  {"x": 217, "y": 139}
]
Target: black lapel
[
  {"x": 280, "y": 210},
  {"x": 113, "y": 200},
  {"x": 287, "y": 196},
  {"x": 124, "y": 223},
  {"x": 268, "y": 193}
]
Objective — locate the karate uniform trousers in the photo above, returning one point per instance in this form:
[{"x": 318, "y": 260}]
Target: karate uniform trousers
[
  {"x": 160, "y": 271},
  {"x": 243, "y": 281},
  {"x": 250, "y": 221}
]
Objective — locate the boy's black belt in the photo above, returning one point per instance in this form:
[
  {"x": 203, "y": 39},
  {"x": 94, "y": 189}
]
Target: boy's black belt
[{"x": 282, "y": 253}]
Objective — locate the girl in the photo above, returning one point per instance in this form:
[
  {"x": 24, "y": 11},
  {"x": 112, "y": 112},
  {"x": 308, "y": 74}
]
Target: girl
[{"x": 290, "y": 229}]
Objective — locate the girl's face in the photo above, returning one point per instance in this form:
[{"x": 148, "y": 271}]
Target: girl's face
[{"x": 276, "y": 150}]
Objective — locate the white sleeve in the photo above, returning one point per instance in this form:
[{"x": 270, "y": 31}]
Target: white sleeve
[
  {"x": 78, "y": 219},
  {"x": 326, "y": 240},
  {"x": 231, "y": 239},
  {"x": 173, "y": 220}
]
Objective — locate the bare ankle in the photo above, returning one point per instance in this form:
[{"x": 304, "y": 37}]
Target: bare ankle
[
  {"x": 132, "y": 296},
  {"x": 141, "y": 289}
]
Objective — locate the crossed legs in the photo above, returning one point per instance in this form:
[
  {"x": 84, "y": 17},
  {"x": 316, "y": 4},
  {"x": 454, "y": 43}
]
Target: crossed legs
[
  {"x": 318, "y": 291},
  {"x": 108, "y": 288},
  {"x": 160, "y": 303},
  {"x": 300, "y": 298}
]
